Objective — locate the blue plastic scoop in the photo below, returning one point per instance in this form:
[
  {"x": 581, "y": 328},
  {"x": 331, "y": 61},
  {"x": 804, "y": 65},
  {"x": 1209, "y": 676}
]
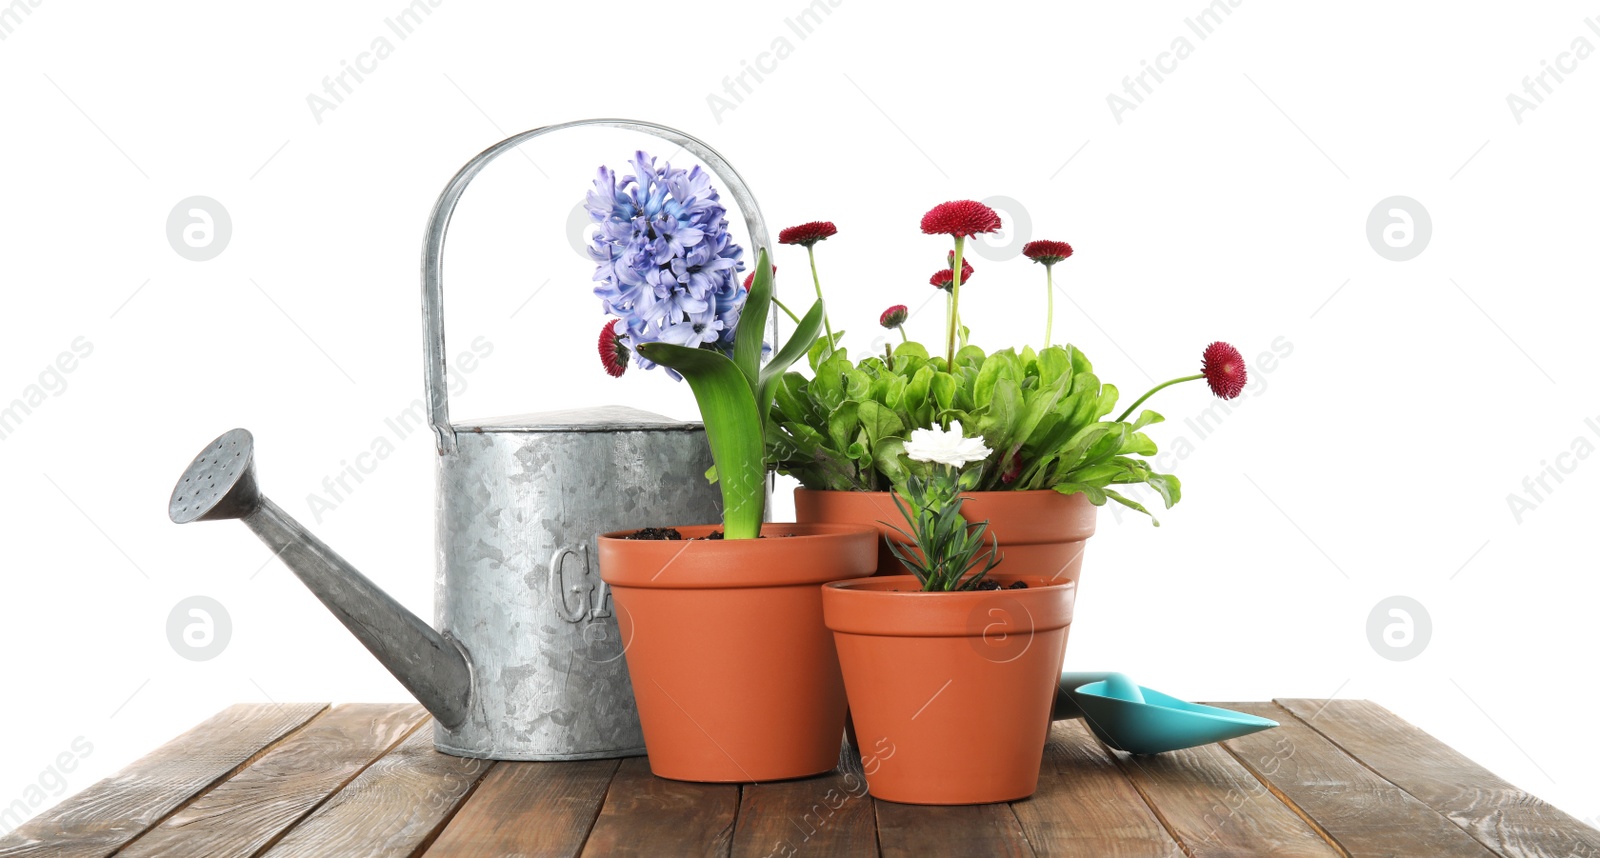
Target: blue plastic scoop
[{"x": 1141, "y": 720}]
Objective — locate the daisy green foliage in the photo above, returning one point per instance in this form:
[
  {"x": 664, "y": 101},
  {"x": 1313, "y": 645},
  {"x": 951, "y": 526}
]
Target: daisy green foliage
[{"x": 1044, "y": 414}]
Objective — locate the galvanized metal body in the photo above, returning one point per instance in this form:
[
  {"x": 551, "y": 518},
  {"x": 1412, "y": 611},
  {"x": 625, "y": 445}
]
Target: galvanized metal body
[{"x": 518, "y": 586}]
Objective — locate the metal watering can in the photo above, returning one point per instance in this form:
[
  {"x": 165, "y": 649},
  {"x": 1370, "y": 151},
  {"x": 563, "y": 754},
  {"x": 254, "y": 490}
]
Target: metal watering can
[{"x": 527, "y": 661}]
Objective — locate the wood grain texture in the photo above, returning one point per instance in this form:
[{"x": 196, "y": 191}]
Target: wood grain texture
[
  {"x": 104, "y": 817},
  {"x": 1366, "y": 814},
  {"x": 399, "y": 804},
  {"x": 644, "y": 815},
  {"x": 1499, "y": 815},
  {"x": 1214, "y": 807},
  {"x": 543, "y": 809},
  {"x": 254, "y": 808},
  {"x": 917, "y": 831},
  {"x": 1085, "y": 806},
  {"x": 823, "y": 817}
]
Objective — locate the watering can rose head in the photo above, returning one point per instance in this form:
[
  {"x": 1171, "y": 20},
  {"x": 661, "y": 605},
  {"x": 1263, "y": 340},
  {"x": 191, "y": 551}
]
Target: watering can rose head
[
  {"x": 667, "y": 269},
  {"x": 1043, "y": 412}
]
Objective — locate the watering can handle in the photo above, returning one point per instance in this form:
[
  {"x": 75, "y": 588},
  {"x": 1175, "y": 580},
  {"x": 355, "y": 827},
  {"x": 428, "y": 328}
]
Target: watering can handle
[{"x": 435, "y": 369}]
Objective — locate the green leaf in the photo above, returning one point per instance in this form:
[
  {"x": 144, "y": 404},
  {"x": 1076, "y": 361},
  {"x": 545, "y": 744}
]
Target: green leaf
[
  {"x": 879, "y": 421},
  {"x": 823, "y": 349},
  {"x": 886, "y": 455},
  {"x": 998, "y": 365},
  {"x": 792, "y": 398},
  {"x": 751, "y": 333},
  {"x": 771, "y": 374},
  {"x": 1145, "y": 418},
  {"x": 842, "y": 424},
  {"x": 1055, "y": 365},
  {"x": 970, "y": 356},
  {"x": 909, "y": 350},
  {"x": 917, "y": 393},
  {"x": 1130, "y": 503},
  {"x": 733, "y": 429},
  {"x": 827, "y": 389},
  {"x": 857, "y": 384},
  {"x": 943, "y": 388},
  {"x": 1096, "y": 495}
]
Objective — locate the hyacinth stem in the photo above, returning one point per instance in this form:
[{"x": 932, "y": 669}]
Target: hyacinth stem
[
  {"x": 955, "y": 303},
  {"x": 786, "y": 310},
  {"x": 1049, "y": 302},
  {"x": 1151, "y": 392},
  {"x": 811, "y": 252}
]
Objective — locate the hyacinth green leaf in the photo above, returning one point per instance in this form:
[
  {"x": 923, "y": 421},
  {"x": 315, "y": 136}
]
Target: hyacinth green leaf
[
  {"x": 771, "y": 375},
  {"x": 733, "y": 429},
  {"x": 749, "y": 337}
]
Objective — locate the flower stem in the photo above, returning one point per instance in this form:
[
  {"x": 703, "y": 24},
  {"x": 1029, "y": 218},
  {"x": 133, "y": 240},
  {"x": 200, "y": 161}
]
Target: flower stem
[
  {"x": 955, "y": 303},
  {"x": 811, "y": 252},
  {"x": 903, "y": 337},
  {"x": 1151, "y": 391},
  {"x": 786, "y": 310},
  {"x": 1050, "y": 302}
]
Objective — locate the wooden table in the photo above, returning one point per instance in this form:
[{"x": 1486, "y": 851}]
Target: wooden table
[{"x": 1345, "y": 777}]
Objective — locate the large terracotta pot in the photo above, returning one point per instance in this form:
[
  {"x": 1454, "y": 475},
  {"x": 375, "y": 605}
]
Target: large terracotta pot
[
  {"x": 1040, "y": 532},
  {"x": 734, "y": 672},
  {"x": 950, "y": 692}
]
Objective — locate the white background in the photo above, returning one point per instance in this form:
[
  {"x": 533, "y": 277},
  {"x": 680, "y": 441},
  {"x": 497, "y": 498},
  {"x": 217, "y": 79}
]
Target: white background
[{"x": 1375, "y": 460}]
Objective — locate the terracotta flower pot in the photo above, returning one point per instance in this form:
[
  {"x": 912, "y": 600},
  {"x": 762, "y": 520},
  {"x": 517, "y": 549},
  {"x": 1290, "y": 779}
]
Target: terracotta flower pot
[
  {"x": 735, "y": 675},
  {"x": 950, "y": 692},
  {"x": 1041, "y": 532}
]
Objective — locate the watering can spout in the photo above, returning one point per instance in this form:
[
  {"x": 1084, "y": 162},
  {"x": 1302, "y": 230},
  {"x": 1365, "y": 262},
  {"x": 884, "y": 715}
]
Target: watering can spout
[{"x": 220, "y": 484}]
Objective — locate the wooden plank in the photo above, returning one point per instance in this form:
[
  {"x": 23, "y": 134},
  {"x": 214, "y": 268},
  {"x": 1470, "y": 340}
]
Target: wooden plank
[
  {"x": 543, "y": 809},
  {"x": 253, "y": 809},
  {"x": 916, "y": 831},
  {"x": 1366, "y": 814},
  {"x": 830, "y": 816},
  {"x": 104, "y": 817},
  {"x": 1086, "y": 806},
  {"x": 644, "y": 815},
  {"x": 1214, "y": 807},
  {"x": 395, "y": 807},
  {"x": 1499, "y": 815}
]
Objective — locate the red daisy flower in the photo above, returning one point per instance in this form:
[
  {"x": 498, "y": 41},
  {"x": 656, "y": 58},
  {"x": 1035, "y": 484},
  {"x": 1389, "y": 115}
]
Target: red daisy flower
[
  {"x": 1224, "y": 370},
  {"x": 960, "y": 218},
  {"x": 807, "y": 234},
  {"x": 942, "y": 278},
  {"x": 751, "y": 278},
  {"x": 613, "y": 351},
  {"x": 1013, "y": 469},
  {"x": 1048, "y": 252},
  {"x": 894, "y": 317}
]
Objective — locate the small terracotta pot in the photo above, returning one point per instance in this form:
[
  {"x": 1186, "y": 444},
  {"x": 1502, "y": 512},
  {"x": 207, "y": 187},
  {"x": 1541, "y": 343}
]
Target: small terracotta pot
[
  {"x": 735, "y": 675},
  {"x": 950, "y": 692},
  {"x": 1041, "y": 532}
]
